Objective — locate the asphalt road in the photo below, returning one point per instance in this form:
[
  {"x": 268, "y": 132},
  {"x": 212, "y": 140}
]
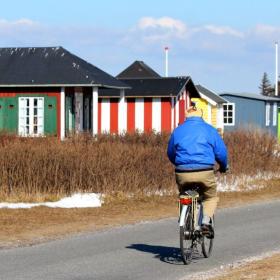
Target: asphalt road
[{"x": 145, "y": 251}]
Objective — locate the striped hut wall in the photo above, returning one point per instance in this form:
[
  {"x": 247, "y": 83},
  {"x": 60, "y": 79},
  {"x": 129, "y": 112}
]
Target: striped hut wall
[
  {"x": 122, "y": 114},
  {"x": 99, "y": 114},
  {"x": 166, "y": 112},
  {"x": 130, "y": 115},
  {"x": 108, "y": 115},
  {"x": 156, "y": 114},
  {"x": 148, "y": 114},
  {"x": 142, "y": 114},
  {"x": 177, "y": 100},
  {"x": 105, "y": 115},
  {"x": 188, "y": 100},
  {"x": 172, "y": 113},
  {"x": 114, "y": 115},
  {"x": 182, "y": 107},
  {"x": 139, "y": 114}
]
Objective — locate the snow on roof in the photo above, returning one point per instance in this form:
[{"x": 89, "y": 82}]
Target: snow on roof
[{"x": 251, "y": 96}]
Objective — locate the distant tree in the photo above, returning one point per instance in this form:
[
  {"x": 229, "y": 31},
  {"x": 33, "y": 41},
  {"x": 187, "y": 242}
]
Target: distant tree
[
  {"x": 265, "y": 86},
  {"x": 271, "y": 92}
]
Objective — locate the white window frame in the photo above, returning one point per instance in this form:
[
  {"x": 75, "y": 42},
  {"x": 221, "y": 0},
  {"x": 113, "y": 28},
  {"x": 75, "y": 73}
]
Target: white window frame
[
  {"x": 267, "y": 114},
  {"x": 226, "y": 110},
  {"x": 220, "y": 116},
  {"x": 27, "y": 116},
  {"x": 274, "y": 117}
]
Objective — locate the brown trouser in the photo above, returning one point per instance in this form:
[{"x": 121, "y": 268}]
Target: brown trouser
[{"x": 207, "y": 187}]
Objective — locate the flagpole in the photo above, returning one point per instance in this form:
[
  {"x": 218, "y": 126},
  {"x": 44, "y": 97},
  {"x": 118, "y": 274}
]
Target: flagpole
[
  {"x": 276, "y": 68},
  {"x": 166, "y": 61}
]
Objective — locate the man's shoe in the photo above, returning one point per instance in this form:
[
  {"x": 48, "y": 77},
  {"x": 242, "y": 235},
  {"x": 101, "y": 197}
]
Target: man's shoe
[{"x": 207, "y": 230}]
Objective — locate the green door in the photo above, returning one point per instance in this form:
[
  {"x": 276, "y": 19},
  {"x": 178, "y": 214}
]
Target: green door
[
  {"x": 2, "y": 109},
  {"x": 8, "y": 114},
  {"x": 50, "y": 122},
  {"x": 12, "y": 113}
]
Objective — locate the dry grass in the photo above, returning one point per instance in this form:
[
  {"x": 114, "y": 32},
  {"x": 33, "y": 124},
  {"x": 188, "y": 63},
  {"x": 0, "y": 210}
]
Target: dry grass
[
  {"x": 16, "y": 197},
  {"x": 266, "y": 269}
]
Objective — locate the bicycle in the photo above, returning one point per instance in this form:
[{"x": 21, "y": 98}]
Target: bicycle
[{"x": 190, "y": 218}]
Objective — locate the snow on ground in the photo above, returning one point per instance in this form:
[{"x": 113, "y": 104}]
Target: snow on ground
[
  {"x": 244, "y": 182},
  {"x": 77, "y": 200}
]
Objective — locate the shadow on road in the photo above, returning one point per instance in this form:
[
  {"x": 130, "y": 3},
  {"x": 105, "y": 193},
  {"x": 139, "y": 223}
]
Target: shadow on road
[{"x": 166, "y": 254}]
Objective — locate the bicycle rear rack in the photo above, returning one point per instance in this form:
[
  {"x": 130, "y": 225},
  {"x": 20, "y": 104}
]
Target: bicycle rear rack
[{"x": 191, "y": 196}]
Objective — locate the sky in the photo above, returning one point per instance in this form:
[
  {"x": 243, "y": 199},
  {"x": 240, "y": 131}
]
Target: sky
[{"x": 224, "y": 45}]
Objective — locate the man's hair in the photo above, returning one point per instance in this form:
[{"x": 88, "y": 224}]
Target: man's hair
[{"x": 193, "y": 111}]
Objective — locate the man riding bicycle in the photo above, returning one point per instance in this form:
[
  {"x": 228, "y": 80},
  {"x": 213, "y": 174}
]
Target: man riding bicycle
[{"x": 193, "y": 148}]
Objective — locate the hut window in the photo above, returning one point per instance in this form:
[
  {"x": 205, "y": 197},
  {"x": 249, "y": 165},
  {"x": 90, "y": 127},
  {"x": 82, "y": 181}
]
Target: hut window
[{"x": 229, "y": 114}]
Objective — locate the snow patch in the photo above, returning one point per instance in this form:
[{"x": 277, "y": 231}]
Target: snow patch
[{"x": 77, "y": 200}]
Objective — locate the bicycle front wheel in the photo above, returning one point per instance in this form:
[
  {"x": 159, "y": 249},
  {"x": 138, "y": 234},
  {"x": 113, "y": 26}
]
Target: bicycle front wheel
[
  {"x": 186, "y": 237},
  {"x": 207, "y": 243}
]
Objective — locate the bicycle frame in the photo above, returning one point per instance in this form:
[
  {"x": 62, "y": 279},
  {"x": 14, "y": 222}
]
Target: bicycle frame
[{"x": 190, "y": 218}]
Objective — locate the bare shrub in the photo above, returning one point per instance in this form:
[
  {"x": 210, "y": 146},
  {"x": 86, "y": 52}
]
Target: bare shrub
[
  {"x": 131, "y": 163},
  {"x": 252, "y": 151}
]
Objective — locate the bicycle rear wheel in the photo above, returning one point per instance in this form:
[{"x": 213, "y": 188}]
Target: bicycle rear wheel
[
  {"x": 207, "y": 243},
  {"x": 186, "y": 238}
]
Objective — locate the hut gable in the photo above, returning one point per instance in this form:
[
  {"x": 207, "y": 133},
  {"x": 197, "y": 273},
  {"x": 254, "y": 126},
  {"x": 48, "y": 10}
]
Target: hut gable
[{"x": 138, "y": 69}]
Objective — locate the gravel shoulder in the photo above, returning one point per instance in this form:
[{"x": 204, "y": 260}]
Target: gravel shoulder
[{"x": 261, "y": 267}]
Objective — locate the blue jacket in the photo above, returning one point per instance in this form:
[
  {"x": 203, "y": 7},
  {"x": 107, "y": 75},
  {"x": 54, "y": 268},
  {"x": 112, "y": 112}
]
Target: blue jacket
[{"x": 196, "y": 145}]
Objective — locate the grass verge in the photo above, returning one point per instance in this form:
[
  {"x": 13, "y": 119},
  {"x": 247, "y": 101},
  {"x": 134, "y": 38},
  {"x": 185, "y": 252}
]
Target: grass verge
[
  {"x": 28, "y": 226},
  {"x": 268, "y": 268}
]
